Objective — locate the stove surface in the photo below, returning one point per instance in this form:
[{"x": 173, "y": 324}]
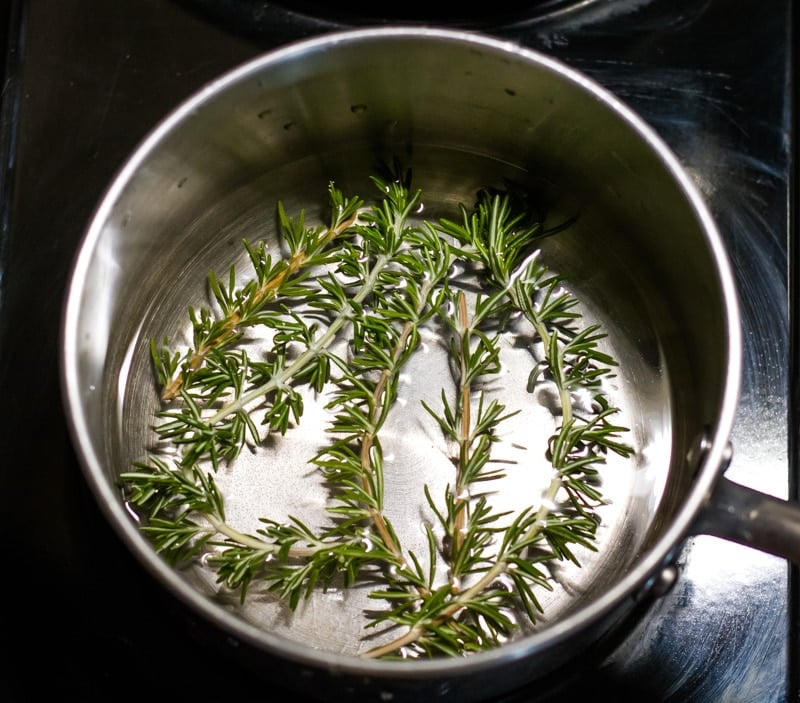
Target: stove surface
[{"x": 87, "y": 79}]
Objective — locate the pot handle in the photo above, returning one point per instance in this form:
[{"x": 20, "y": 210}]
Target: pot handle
[{"x": 746, "y": 516}]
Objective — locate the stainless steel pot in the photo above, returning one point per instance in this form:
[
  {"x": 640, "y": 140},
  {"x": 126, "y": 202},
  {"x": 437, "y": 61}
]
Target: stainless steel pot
[{"x": 463, "y": 110}]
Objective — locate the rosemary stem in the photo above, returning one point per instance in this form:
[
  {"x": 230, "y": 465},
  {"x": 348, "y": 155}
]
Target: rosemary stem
[
  {"x": 563, "y": 392},
  {"x": 542, "y": 330},
  {"x": 261, "y": 545},
  {"x": 408, "y": 638},
  {"x": 379, "y": 400},
  {"x": 501, "y": 565},
  {"x": 240, "y": 537},
  {"x": 465, "y": 426},
  {"x": 306, "y": 356},
  {"x": 467, "y": 595},
  {"x": 263, "y": 295}
]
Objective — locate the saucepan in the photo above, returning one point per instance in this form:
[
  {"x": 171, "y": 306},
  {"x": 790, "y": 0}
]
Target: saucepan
[{"x": 407, "y": 359}]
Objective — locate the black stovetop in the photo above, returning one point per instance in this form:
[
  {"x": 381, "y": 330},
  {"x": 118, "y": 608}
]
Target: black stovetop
[{"x": 87, "y": 79}]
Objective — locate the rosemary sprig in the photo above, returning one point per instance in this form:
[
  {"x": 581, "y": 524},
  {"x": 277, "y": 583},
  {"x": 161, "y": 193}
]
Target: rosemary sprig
[
  {"x": 468, "y": 521},
  {"x": 385, "y": 337},
  {"x": 241, "y": 307},
  {"x": 220, "y": 432},
  {"x": 373, "y": 279},
  {"x": 494, "y": 235}
]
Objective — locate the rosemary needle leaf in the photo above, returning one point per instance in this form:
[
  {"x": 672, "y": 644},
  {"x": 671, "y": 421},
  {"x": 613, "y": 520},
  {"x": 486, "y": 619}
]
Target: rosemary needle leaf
[{"x": 177, "y": 542}]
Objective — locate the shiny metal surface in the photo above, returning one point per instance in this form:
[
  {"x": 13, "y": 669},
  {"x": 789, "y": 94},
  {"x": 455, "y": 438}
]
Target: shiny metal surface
[{"x": 719, "y": 633}]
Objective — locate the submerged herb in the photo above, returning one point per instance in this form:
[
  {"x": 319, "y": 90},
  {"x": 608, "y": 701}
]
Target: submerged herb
[{"x": 376, "y": 278}]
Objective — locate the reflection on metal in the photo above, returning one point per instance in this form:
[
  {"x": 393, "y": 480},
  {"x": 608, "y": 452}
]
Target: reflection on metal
[{"x": 721, "y": 633}]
